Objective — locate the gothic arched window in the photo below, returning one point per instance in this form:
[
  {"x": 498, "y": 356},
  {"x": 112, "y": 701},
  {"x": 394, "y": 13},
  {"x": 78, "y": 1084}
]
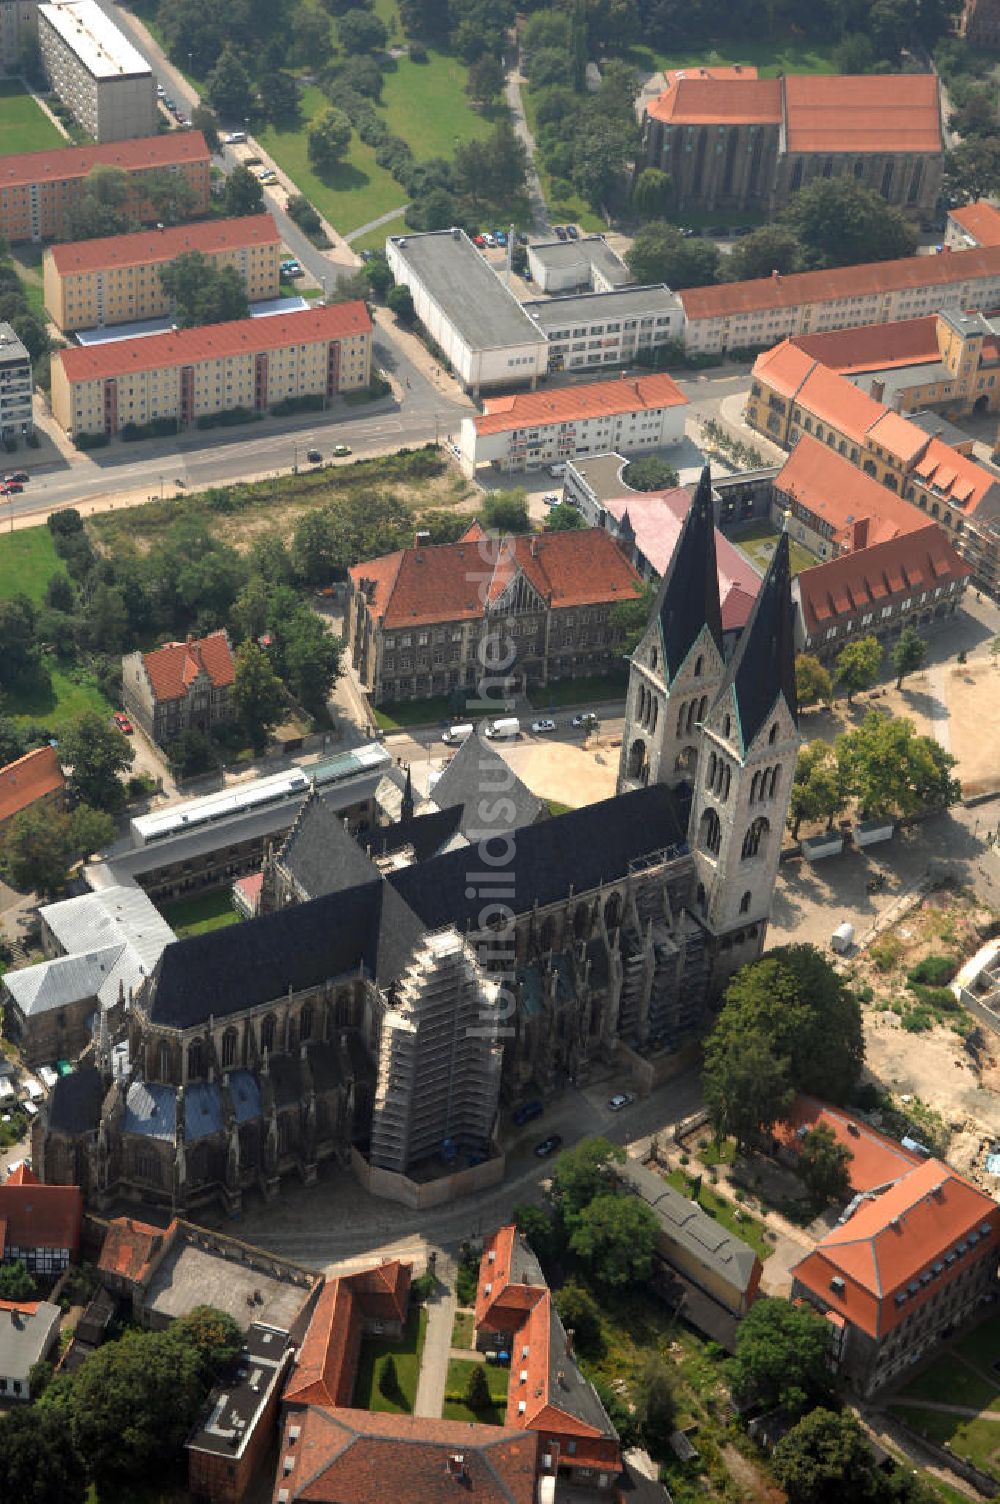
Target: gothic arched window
[
  {"x": 710, "y": 833},
  {"x": 756, "y": 838},
  {"x": 229, "y": 1041},
  {"x": 306, "y": 1022},
  {"x": 267, "y": 1033},
  {"x": 745, "y": 902},
  {"x": 196, "y": 1060}
]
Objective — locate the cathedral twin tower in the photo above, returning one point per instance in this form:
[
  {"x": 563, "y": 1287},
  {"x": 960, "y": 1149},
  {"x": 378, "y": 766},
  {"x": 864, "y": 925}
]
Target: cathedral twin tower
[{"x": 724, "y": 730}]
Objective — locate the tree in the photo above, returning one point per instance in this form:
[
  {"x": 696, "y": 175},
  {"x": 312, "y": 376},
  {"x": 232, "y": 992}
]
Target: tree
[
  {"x": 98, "y": 754},
  {"x": 581, "y": 1314},
  {"x": 858, "y": 664},
  {"x": 564, "y": 518},
  {"x": 976, "y": 115},
  {"x": 824, "y": 1459},
  {"x": 202, "y": 119},
  {"x": 628, "y": 620},
  {"x": 378, "y": 275},
  {"x": 613, "y": 1237},
  {"x": 651, "y": 473},
  {"x": 540, "y": 1229},
  {"x": 20, "y": 657},
  {"x": 102, "y": 207},
  {"x": 90, "y": 830},
  {"x": 812, "y": 682},
  {"x": 38, "y": 1463},
  {"x": 908, "y": 653},
  {"x": 229, "y": 87},
  {"x": 823, "y": 1165},
  {"x": 854, "y": 53},
  {"x": 651, "y": 192},
  {"x": 279, "y": 97},
  {"x": 202, "y": 292},
  {"x": 311, "y": 659},
  {"x": 388, "y": 1378},
  {"x": 839, "y": 222},
  {"x": 582, "y": 1173},
  {"x": 486, "y": 80},
  {"x": 507, "y": 512},
  {"x": 888, "y": 768},
  {"x": 492, "y": 174},
  {"x": 818, "y": 791},
  {"x": 257, "y": 693},
  {"x": 400, "y": 301},
  {"x": 972, "y": 170},
  {"x": 361, "y": 31},
  {"x": 660, "y": 253},
  {"x": 215, "y": 1338},
  {"x": 477, "y": 1390},
  {"x": 656, "y": 1405},
  {"x": 329, "y": 137},
  {"x": 781, "y": 1356},
  {"x": 601, "y": 149},
  {"x": 772, "y": 248},
  {"x": 59, "y": 592},
  {"x": 746, "y": 1086},
  {"x": 36, "y": 852},
  {"x": 314, "y": 554},
  {"x": 15, "y": 1282},
  {"x": 244, "y": 194},
  {"x": 171, "y": 197},
  {"x": 192, "y": 753}
]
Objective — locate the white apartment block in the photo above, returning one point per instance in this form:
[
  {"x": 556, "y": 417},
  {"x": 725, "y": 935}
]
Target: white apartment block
[
  {"x": 18, "y": 19},
  {"x": 15, "y": 386},
  {"x": 96, "y": 71}
]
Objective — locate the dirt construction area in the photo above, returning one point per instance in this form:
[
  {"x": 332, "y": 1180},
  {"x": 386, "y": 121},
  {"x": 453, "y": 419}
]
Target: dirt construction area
[{"x": 566, "y": 772}]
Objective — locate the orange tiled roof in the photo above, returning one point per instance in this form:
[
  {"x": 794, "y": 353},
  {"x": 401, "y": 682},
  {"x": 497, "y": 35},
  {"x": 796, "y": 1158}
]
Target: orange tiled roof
[
  {"x": 980, "y": 220},
  {"x": 23, "y": 1176},
  {"x": 214, "y": 341},
  {"x": 174, "y": 668},
  {"x": 445, "y": 582},
  {"x": 858, "y": 509},
  {"x": 725, "y": 299},
  {"x": 593, "y": 399},
  {"x": 325, "y": 1367},
  {"x": 956, "y": 478},
  {"x": 146, "y": 152},
  {"x": 866, "y": 113},
  {"x": 40, "y": 1216},
  {"x": 869, "y": 347},
  {"x": 784, "y": 367},
  {"x": 834, "y": 400},
  {"x": 147, "y": 247},
  {"x": 722, "y": 70},
  {"x": 907, "y": 1242},
  {"x": 29, "y": 778},
  {"x": 876, "y": 1159},
  {"x": 920, "y": 560},
  {"x": 129, "y": 1246},
  {"x": 737, "y": 100},
  {"x": 898, "y": 436}
]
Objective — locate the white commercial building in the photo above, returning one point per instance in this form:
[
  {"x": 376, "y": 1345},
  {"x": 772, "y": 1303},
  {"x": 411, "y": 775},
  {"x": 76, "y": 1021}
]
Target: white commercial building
[
  {"x": 478, "y": 324},
  {"x": 571, "y": 265},
  {"x": 96, "y": 71},
  {"x": 532, "y": 429},
  {"x": 607, "y": 328}
]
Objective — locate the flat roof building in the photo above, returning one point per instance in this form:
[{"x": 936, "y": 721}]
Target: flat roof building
[
  {"x": 96, "y": 71},
  {"x": 571, "y": 265},
  {"x": 28, "y": 1333},
  {"x": 479, "y": 325},
  {"x": 607, "y": 328},
  {"x": 38, "y": 188},
  {"x": 115, "y": 280},
  {"x": 228, "y": 1447},
  {"x": 320, "y": 351},
  {"x": 16, "y": 417}
]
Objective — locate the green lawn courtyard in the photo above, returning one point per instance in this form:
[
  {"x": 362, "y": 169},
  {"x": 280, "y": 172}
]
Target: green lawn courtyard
[
  {"x": 59, "y": 698},
  {"x": 406, "y": 1352},
  {"x": 740, "y": 1223},
  {"x": 24, "y": 125},
  {"x": 757, "y": 541},
  {"x": 455, "y": 1387},
  {"x": 965, "y": 1376},
  {"x": 770, "y": 57},
  {"x": 28, "y": 561},
  {"x": 206, "y": 911}
]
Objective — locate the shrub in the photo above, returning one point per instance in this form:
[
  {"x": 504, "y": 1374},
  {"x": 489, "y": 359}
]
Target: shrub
[
  {"x": 92, "y": 440},
  {"x": 230, "y": 417},
  {"x": 918, "y": 1020},
  {"x": 886, "y": 953},
  {"x": 311, "y": 402},
  {"x": 418, "y": 53},
  {"x": 935, "y": 970},
  {"x": 388, "y": 1379}
]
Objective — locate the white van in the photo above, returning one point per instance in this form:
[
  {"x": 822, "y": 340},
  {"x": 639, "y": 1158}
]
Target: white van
[
  {"x": 506, "y": 726},
  {"x": 456, "y": 735},
  {"x": 557, "y": 470},
  {"x": 234, "y": 138}
]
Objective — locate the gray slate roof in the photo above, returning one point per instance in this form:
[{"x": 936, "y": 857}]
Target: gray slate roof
[
  {"x": 25, "y": 1338},
  {"x": 477, "y": 772},
  {"x": 689, "y": 1227}
]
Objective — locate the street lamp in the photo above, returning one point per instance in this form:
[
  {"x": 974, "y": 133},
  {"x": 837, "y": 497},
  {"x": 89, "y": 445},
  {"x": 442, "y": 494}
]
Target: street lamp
[{"x": 295, "y": 459}]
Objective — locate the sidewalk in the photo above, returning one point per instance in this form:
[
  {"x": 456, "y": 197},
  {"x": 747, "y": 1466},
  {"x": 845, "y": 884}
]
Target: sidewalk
[
  {"x": 437, "y": 1342},
  {"x": 417, "y": 352}
]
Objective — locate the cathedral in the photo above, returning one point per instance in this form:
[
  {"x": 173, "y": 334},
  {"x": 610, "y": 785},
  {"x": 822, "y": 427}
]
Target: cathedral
[{"x": 401, "y": 985}]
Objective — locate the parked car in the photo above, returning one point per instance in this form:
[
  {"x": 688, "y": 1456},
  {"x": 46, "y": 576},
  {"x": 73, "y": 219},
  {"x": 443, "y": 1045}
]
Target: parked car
[
  {"x": 500, "y": 237},
  {"x": 181, "y": 119},
  {"x": 548, "y": 1145},
  {"x": 234, "y": 138},
  {"x": 544, "y": 725},
  {"x": 479, "y": 240},
  {"x": 572, "y": 232},
  {"x": 123, "y": 723},
  {"x": 171, "y": 105},
  {"x": 583, "y": 719},
  {"x": 340, "y": 450},
  {"x": 526, "y": 274},
  {"x": 623, "y": 1099},
  {"x": 489, "y": 240},
  {"x": 21, "y": 475},
  {"x": 526, "y": 1113},
  {"x": 560, "y": 233},
  {"x": 550, "y": 500},
  {"x": 161, "y": 92},
  {"x": 12, "y": 487},
  {"x": 314, "y": 457}
]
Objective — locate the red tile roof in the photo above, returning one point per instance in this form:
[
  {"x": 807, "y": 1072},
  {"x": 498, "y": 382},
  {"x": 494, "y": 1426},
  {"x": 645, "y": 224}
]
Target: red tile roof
[
  {"x": 452, "y": 581},
  {"x": 719, "y": 101},
  {"x": 870, "y": 347},
  {"x": 836, "y": 401},
  {"x": 22, "y": 1176},
  {"x": 858, "y": 581},
  {"x": 360, "y": 1456},
  {"x": 184, "y": 347},
  {"x": 593, "y": 399},
  {"x": 146, "y": 153},
  {"x": 867, "y": 113},
  {"x": 174, "y": 668},
  {"x": 40, "y": 1216},
  {"x": 858, "y": 509},
  {"x": 876, "y": 1159},
  {"x": 29, "y": 778},
  {"x": 904, "y": 1242},
  {"x": 325, "y": 1367},
  {"x": 898, "y": 437},
  {"x": 956, "y": 478},
  {"x": 130, "y": 1246},
  {"x": 148, "y": 247},
  {"x": 982, "y": 221},
  {"x": 733, "y": 70},
  {"x": 789, "y": 291}
]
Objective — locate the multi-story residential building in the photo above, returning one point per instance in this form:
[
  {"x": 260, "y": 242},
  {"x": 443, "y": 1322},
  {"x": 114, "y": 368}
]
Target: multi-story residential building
[
  {"x": 972, "y": 225},
  {"x": 185, "y": 686},
  {"x": 747, "y": 315},
  {"x": 745, "y": 142},
  {"x": 116, "y": 280},
  {"x": 792, "y": 394},
  {"x": 36, "y": 778},
  {"x": 96, "y": 71},
  {"x": 610, "y": 327},
  {"x": 18, "y": 21},
  {"x": 417, "y": 618},
  {"x": 41, "y": 1223},
  {"x": 901, "y": 1270},
  {"x": 38, "y": 188},
  {"x": 16, "y": 420},
  {"x": 195, "y": 373},
  {"x": 531, "y": 429}
]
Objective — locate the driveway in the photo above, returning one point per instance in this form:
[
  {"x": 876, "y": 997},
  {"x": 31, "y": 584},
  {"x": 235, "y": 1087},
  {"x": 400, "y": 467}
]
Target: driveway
[{"x": 437, "y": 1342}]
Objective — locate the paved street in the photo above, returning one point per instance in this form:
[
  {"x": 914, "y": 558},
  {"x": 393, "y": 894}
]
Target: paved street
[{"x": 437, "y": 1341}]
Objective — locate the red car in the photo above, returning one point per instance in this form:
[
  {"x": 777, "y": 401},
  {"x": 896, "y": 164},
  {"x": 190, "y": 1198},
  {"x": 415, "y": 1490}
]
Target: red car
[
  {"x": 123, "y": 723},
  {"x": 478, "y": 240},
  {"x": 12, "y": 487}
]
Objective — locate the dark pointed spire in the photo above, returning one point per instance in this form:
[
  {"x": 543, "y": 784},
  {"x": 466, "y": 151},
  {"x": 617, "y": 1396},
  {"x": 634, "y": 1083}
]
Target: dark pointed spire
[
  {"x": 763, "y": 666},
  {"x": 406, "y": 807},
  {"x": 689, "y": 593}
]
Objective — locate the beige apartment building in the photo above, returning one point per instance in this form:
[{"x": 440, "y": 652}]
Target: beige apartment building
[
  {"x": 192, "y": 374},
  {"x": 116, "y": 280},
  {"x": 96, "y": 71}
]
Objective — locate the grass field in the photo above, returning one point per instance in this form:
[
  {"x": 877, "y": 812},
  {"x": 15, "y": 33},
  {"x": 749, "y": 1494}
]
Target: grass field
[
  {"x": 769, "y": 57},
  {"x": 459, "y": 1370},
  {"x": 23, "y": 125},
  {"x": 976, "y": 1438},
  {"x": 208, "y": 911},
  {"x": 757, "y": 542},
  {"x": 374, "y": 240},
  {"x": 406, "y": 1351},
  {"x": 416, "y": 713},
  {"x": 427, "y": 105},
  {"x": 982, "y": 1346},
  {"x": 462, "y": 1329},
  {"x": 60, "y": 699},
  {"x": 590, "y": 689},
  {"x": 952, "y": 1382},
  {"x": 27, "y": 562}
]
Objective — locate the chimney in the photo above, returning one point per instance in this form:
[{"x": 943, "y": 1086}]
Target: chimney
[
  {"x": 422, "y": 539},
  {"x": 877, "y": 389},
  {"x": 533, "y": 548},
  {"x": 776, "y": 274},
  {"x": 860, "y": 533}
]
